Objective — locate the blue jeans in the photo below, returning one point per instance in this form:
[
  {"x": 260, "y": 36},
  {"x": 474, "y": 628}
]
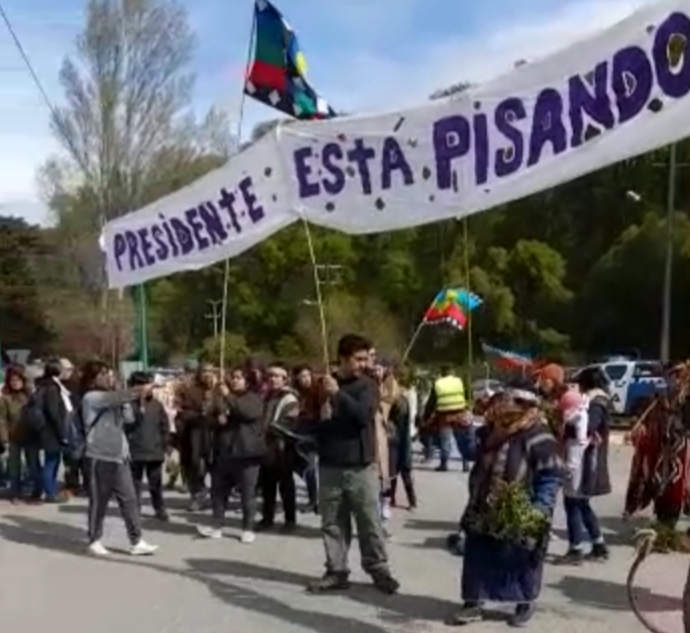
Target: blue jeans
[
  {"x": 465, "y": 440},
  {"x": 51, "y": 465},
  {"x": 581, "y": 519},
  {"x": 430, "y": 443},
  {"x": 4, "y": 471},
  {"x": 32, "y": 462}
]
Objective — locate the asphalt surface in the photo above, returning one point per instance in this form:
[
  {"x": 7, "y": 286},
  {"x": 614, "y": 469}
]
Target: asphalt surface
[{"x": 191, "y": 585}]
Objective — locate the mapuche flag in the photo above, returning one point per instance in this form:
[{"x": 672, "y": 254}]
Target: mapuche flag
[{"x": 277, "y": 74}]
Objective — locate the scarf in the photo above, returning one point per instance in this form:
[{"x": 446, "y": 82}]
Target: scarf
[{"x": 65, "y": 395}]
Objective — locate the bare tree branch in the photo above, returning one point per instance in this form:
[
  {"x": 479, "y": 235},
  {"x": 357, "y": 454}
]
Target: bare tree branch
[{"x": 125, "y": 95}]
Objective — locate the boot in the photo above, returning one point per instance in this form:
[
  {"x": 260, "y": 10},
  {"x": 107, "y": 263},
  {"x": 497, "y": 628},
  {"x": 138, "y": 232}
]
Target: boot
[{"x": 329, "y": 582}]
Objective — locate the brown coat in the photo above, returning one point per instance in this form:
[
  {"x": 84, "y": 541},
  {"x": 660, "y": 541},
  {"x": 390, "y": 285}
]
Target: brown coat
[{"x": 10, "y": 417}]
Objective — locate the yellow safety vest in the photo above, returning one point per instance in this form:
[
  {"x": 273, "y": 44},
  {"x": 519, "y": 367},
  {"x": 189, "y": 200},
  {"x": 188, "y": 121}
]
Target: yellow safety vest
[{"x": 450, "y": 394}]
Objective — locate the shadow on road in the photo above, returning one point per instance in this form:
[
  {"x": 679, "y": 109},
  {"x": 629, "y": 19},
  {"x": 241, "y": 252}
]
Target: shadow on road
[
  {"x": 393, "y": 609},
  {"x": 616, "y": 530},
  {"x": 432, "y": 526},
  {"x": 603, "y": 594},
  {"x": 185, "y": 523},
  {"x": 408, "y": 606}
]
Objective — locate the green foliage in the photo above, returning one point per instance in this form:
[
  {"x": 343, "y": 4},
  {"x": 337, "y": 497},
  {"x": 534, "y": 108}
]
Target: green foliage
[
  {"x": 236, "y": 349},
  {"x": 23, "y": 322},
  {"x": 510, "y": 515}
]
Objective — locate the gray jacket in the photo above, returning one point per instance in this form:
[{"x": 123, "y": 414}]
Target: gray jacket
[{"x": 105, "y": 414}]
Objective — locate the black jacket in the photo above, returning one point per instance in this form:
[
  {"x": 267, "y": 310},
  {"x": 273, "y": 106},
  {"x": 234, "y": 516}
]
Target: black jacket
[
  {"x": 596, "y": 480},
  {"x": 400, "y": 439},
  {"x": 148, "y": 437},
  {"x": 242, "y": 436},
  {"x": 54, "y": 431},
  {"x": 348, "y": 438}
]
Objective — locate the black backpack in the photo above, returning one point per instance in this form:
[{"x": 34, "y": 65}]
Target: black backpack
[{"x": 32, "y": 417}]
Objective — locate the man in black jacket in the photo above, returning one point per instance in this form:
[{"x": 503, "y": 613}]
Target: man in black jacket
[{"x": 348, "y": 477}]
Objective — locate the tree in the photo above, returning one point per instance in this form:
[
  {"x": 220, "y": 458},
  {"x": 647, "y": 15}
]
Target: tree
[
  {"x": 129, "y": 137},
  {"x": 23, "y": 321},
  {"x": 126, "y": 97}
]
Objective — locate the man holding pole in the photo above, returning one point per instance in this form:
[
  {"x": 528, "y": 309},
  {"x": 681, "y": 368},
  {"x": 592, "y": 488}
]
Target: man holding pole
[{"x": 348, "y": 475}]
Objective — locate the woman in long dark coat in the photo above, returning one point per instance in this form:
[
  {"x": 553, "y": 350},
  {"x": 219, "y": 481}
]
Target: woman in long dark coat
[
  {"x": 516, "y": 445},
  {"x": 56, "y": 405},
  {"x": 400, "y": 449}
]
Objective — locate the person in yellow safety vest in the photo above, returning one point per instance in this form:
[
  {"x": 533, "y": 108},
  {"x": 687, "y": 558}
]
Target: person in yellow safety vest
[{"x": 447, "y": 411}]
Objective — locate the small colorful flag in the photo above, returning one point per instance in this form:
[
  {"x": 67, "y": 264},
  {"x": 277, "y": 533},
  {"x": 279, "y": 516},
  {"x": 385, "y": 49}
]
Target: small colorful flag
[
  {"x": 277, "y": 75},
  {"x": 466, "y": 299},
  {"x": 445, "y": 309},
  {"x": 508, "y": 359}
]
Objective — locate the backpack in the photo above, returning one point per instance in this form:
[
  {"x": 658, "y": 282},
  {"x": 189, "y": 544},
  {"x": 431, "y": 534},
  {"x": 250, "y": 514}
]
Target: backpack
[
  {"x": 32, "y": 418},
  {"x": 75, "y": 433}
]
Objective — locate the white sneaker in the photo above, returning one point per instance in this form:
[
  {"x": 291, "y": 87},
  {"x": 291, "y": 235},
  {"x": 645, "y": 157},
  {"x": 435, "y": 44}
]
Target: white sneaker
[
  {"x": 142, "y": 548},
  {"x": 209, "y": 532},
  {"x": 247, "y": 537},
  {"x": 98, "y": 549}
]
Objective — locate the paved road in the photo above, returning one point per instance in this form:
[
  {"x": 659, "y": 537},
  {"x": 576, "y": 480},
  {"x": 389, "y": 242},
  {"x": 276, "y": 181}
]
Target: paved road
[{"x": 220, "y": 586}]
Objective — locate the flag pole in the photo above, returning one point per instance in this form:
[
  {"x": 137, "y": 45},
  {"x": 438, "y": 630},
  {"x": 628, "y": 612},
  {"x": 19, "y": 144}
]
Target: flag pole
[
  {"x": 240, "y": 122},
  {"x": 466, "y": 248},
  {"x": 413, "y": 340}
]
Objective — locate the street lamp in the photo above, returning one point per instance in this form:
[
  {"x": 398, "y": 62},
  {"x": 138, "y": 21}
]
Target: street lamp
[
  {"x": 668, "y": 268},
  {"x": 665, "y": 343}
]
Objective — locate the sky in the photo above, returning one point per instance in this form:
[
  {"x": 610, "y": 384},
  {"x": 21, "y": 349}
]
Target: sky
[{"x": 363, "y": 55}]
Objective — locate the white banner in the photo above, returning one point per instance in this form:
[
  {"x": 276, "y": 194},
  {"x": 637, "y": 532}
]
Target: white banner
[{"x": 619, "y": 94}]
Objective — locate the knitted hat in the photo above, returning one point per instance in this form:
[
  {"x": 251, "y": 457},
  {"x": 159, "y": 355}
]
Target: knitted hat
[{"x": 552, "y": 372}]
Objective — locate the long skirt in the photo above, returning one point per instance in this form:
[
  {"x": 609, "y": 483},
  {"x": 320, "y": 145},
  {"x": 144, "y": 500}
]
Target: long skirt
[
  {"x": 497, "y": 571},
  {"x": 659, "y": 471}
]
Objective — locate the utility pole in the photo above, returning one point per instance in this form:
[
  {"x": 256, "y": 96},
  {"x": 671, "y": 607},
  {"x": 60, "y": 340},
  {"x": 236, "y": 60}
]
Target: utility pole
[
  {"x": 667, "y": 291},
  {"x": 665, "y": 347},
  {"x": 142, "y": 324},
  {"x": 327, "y": 276},
  {"x": 215, "y": 314}
]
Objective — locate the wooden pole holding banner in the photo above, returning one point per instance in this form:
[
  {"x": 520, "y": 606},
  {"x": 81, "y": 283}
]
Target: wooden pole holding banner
[
  {"x": 226, "y": 273},
  {"x": 466, "y": 248},
  {"x": 319, "y": 296}
]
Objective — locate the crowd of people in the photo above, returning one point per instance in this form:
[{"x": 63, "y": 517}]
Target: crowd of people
[{"x": 348, "y": 434}]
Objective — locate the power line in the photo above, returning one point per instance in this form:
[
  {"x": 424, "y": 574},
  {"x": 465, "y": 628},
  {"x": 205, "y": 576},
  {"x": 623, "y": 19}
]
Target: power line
[{"x": 27, "y": 61}]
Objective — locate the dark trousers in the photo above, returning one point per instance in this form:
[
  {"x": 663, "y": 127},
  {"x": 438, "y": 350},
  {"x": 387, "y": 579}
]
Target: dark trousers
[
  {"x": 51, "y": 466},
  {"x": 195, "y": 459},
  {"x": 112, "y": 479},
  {"x": 581, "y": 521},
  {"x": 154, "y": 476},
  {"x": 667, "y": 512},
  {"x": 429, "y": 441},
  {"x": 275, "y": 478},
  {"x": 32, "y": 460},
  {"x": 311, "y": 480},
  {"x": 406, "y": 475},
  {"x": 76, "y": 474},
  {"x": 465, "y": 440},
  {"x": 227, "y": 474},
  {"x": 345, "y": 493}
]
